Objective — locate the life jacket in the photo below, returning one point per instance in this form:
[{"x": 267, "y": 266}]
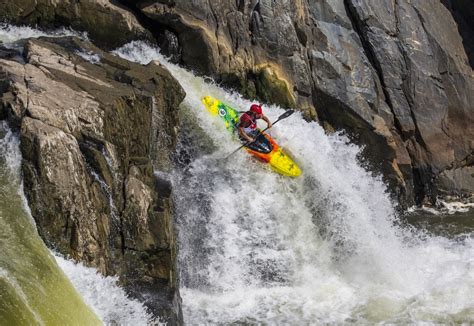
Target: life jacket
[{"x": 248, "y": 122}]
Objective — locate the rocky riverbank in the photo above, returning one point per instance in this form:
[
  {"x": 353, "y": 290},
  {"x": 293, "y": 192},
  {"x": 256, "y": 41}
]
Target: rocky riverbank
[{"x": 85, "y": 120}]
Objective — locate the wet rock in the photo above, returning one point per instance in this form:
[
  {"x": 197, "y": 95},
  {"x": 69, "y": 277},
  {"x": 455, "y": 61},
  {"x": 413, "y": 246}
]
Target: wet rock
[
  {"x": 461, "y": 178},
  {"x": 7, "y": 53},
  {"x": 86, "y": 131}
]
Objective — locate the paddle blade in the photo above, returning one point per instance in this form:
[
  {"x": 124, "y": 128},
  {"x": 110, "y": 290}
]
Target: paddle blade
[{"x": 286, "y": 114}]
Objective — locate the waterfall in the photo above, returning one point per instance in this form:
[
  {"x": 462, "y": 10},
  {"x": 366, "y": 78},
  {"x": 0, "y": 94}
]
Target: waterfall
[
  {"x": 34, "y": 289},
  {"x": 256, "y": 247}
]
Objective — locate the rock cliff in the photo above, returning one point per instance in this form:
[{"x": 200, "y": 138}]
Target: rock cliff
[
  {"x": 85, "y": 120},
  {"x": 394, "y": 74}
]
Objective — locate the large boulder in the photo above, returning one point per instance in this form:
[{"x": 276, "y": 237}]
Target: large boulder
[
  {"x": 85, "y": 120},
  {"x": 395, "y": 75}
]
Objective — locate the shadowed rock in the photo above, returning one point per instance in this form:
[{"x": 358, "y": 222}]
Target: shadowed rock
[{"x": 429, "y": 85}]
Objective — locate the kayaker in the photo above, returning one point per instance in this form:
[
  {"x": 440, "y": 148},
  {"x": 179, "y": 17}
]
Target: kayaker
[{"x": 248, "y": 123}]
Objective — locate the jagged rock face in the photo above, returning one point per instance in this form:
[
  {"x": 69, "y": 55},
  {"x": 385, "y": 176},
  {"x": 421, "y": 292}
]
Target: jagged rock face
[
  {"x": 393, "y": 73},
  {"x": 86, "y": 131},
  {"x": 428, "y": 82},
  {"x": 463, "y": 13},
  {"x": 107, "y": 23}
]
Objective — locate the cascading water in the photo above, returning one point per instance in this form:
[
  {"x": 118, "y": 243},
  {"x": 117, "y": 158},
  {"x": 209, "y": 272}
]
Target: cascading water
[
  {"x": 33, "y": 289},
  {"x": 256, "y": 247}
]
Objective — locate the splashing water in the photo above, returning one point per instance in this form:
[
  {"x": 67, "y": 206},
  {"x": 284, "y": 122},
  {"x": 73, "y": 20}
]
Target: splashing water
[
  {"x": 106, "y": 298},
  {"x": 13, "y": 36},
  {"x": 256, "y": 247}
]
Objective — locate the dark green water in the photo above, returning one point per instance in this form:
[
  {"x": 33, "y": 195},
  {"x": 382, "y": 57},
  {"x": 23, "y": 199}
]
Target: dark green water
[
  {"x": 443, "y": 224},
  {"x": 33, "y": 289}
]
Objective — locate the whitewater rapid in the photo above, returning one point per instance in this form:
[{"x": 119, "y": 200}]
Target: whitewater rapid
[{"x": 256, "y": 247}]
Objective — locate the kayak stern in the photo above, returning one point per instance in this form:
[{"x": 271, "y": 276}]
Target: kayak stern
[
  {"x": 283, "y": 164},
  {"x": 279, "y": 161}
]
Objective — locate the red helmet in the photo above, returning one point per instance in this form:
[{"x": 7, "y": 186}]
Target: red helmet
[{"x": 256, "y": 108}]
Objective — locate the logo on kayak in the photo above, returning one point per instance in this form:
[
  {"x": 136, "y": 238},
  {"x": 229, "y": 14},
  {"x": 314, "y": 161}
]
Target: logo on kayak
[{"x": 222, "y": 112}]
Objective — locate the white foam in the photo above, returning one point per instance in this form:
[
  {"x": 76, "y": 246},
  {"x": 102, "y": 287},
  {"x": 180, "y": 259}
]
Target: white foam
[
  {"x": 10, "y": 34},
  {"x": 455, "y": 207},
  {"x": 89, "y": 56},
  {"x": 444, "y": 207},
  {"x": 138, "y": 51},
  {"x": 256, "y": 247},
  {"x": 10, "y": 151},
  {"x": 104, "y": 295}
]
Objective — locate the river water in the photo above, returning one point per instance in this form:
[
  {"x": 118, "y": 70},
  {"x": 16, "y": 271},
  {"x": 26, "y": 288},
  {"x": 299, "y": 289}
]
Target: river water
[
  {"x": 28, "y": 272},
  {"x": 328, "y": 247}
]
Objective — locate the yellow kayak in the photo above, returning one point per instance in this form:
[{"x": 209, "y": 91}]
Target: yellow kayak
[{"x": 264, "y": 148}]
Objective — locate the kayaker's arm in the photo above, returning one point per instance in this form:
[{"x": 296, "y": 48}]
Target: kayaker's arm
[{"x": 269, "y": 124}]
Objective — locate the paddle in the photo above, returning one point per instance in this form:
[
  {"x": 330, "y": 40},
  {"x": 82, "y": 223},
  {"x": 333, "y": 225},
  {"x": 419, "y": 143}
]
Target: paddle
[{"x": 281, "y": 117}]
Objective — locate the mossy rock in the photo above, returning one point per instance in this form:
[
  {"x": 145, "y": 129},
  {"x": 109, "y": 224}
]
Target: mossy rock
[
  {"x": 263, "y": 84},
  {"x": 273, "y": 89}
]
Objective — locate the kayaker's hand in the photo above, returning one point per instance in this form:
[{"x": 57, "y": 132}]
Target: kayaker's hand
[{"x": 270, "y": 125}]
